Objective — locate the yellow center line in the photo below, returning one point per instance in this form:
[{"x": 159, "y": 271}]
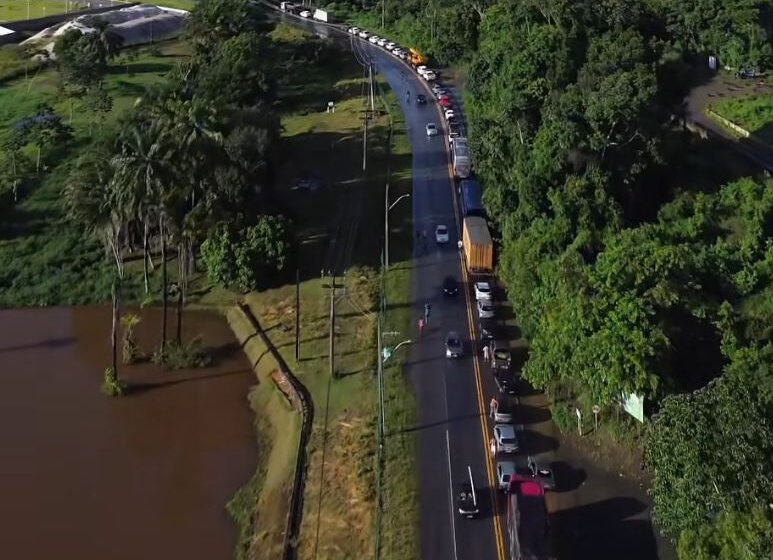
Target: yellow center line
[{"x": 484, "y": 428}]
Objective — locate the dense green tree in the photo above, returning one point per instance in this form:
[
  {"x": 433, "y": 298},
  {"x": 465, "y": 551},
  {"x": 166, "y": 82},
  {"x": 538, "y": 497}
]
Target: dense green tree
[
  {"x": 214, "y": 21},
  {"x": 734, "y": 536},
  {"x": 712, "y": 450}
]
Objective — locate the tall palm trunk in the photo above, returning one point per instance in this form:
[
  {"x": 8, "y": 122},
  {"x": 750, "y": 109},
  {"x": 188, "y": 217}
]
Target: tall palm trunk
[
  {"x": 145, "y": 254},
  {"x": 180, "y": 289},
  {"x": 163, "y": 283},
  {"x": 114, "y": 333}
]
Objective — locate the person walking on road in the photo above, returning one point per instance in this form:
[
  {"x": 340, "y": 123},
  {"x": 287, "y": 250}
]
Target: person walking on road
[
  {"x": 492, "y": 444},
  {"x": 492, "y": 407},
  {"x": 427, "y": 309},
  {"x": 486, "y": 354},
  {"x": 421, "y": 326}
]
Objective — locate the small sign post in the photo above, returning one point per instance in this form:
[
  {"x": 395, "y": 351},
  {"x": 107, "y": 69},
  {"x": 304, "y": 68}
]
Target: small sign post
[
  {"x": 596, "y": 409},
  {"x": 579, "y": 420}
]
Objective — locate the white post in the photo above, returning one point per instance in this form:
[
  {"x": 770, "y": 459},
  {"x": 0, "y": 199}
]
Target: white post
[{"x": 579, "y": 420}]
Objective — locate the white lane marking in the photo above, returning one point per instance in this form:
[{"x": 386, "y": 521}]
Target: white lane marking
[{"x": 451, "y": 491}]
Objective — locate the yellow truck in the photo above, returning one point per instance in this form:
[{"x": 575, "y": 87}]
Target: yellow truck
[
  {"x": 478, "y": 246},
  {"x": 416, "y": 58}
]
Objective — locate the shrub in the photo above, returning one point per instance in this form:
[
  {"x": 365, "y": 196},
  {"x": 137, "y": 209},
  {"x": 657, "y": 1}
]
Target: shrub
[
  {"x": 112, "y": 386},
  {"x": 184, "y": 356}
]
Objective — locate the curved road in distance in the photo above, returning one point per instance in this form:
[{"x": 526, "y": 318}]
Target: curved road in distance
[{"x": 450, "y": 407}]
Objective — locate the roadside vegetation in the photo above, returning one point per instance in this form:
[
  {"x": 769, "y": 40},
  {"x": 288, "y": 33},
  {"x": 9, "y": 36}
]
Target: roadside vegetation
[
  {"x": 337, "y": 212},
  {"x": 637, "y": 257},
  {"x": 755, "y": 114}
]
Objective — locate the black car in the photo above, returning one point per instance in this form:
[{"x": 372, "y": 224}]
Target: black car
[
  {"x": 454, "y": 345},
  {"x": 487, "y": 329},
  {"x": 420, "y": 99},
  {"x": 505, "y": 381},
  {"x": 466, "y": 498},
  {"x": 500, "y": 354},
  {"x": 450, "y": 286}
]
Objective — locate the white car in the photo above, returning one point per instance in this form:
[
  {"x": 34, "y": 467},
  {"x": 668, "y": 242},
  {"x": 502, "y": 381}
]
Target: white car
[
  {"x": 374, "y": 39},
  {"x": 431, "y": 129},
  {"x": 441, "y": 234},
  {"x": 390, "y": 46},
  {"x": 430, "y": 76},
  {"x": 403, "y": 55},
  {"x": 504, "y": 435},
  {"x": 354, "y": 30},
  {"x": 306, "y": 14},
  {"x": 448, "y": 113},
  {"x": 364, "y": 34},
  {"x": 485, "y": 309},
  {"x": 421, "y": 68},
  {"x": 382, "y": 42},
  {"x": 482, "y": 290}
]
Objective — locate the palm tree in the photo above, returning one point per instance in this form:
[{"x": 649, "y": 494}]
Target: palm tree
[
  {"x": 142, "y": 170},
  {"x": 91, "y": 201}
]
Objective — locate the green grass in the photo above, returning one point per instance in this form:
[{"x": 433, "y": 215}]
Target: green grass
[
  {"x": 754, "y": 113},
  {"x": 44, "y": 258},
  {"x": 260, "y": 507},
  {"x": 340, "y": 486},
  {"x": 16, "y": 10}
]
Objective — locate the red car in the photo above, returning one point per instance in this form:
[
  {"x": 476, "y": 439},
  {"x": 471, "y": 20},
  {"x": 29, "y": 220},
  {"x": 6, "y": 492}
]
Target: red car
[{"x": 444, "y": 101}]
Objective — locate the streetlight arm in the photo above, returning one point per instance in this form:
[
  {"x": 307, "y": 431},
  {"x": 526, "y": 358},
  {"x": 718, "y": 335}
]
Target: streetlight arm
[{"x": 398, "y": 200}]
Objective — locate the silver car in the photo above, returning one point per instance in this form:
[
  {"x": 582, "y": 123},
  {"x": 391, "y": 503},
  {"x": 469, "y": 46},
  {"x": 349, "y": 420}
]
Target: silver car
[
  {"x": 506, "y": 470},
  {"x": 506, "y": 441},
  {"x": 485, "y": 309}
]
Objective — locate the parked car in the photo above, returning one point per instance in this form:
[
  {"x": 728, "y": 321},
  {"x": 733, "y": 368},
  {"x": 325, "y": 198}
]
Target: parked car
[
  {"x": 506, "y": 470},
  {"x": 486, "y": 309},
  {"x": 504, "y": 436},
  {"x": 305, "y": 14},
  {"x": 354, "y": 30},
  {"x": 381, "y": 42},
  {"x": 431, "y": 129},
  {"x": 449, "y": 113},
  {"x": 364, "y": 34},
  {"x": 487, "y": 328},
  {"x": 440, "y": 93},
  {"x": 436, "y": 87},
  {"x": 482, "y": 290},
  {"x": 390, "y": 46},
  {"x": 505, "y": 381},
  {"x": 421, "y": 100},
  {"x": 441, "y": 233},
  {"x": 454, "y": 345},
  {"x": 421, "y": 68},
  {"x": 403, "y": 55},
  {"x": 542, "y": 472},
  {"x": 374, "y": 39},
  {"x": 505, "y": 410},
  {"x": 500, "y": 355},
  {"x": 747, "y": 73},
  {"x": 444, "y": 101},
  {"x": 429, "y": 75}
]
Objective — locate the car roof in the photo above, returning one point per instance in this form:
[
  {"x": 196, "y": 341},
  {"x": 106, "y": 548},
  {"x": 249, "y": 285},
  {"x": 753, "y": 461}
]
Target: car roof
[
  {"x": 441, "y": 226},
  {"x": 505, "y": 429},
  {"x": 452, "y": 334},
  {"x": 483, "y": 284},
  {"x": 508, "y": 467}
]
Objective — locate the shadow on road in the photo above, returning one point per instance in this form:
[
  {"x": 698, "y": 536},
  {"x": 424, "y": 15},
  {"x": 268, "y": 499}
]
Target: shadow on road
[{"x": 604, "y": 531}]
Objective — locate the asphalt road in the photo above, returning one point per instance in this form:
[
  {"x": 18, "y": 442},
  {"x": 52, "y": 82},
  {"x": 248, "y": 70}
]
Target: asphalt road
[{"x": 450, "y": 421}]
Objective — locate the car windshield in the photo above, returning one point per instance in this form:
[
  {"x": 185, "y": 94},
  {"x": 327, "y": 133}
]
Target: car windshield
[
  {"x": 441, "y": 230},
  {"x": 508, "y": 440},
  {"x": 486, "y": 306},
  {"x": 501, "y": 354},
  {"x": 505, "y": 478},
  {"x": 453, "y": 342}
]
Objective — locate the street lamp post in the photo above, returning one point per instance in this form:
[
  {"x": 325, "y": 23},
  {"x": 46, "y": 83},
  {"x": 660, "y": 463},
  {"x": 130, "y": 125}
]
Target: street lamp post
[{"x": 387, "y": 208}]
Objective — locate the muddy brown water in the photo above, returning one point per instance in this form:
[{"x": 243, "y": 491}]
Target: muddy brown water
[{"x": 147, "y": 476}]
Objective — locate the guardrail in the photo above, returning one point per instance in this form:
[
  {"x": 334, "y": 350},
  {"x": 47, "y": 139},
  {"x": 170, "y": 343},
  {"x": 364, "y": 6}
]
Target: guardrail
[{"x": 299, "y": 396}]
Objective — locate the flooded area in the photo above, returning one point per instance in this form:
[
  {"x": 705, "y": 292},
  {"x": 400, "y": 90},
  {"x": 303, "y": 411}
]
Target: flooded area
[{"x": 86, "y": 476}]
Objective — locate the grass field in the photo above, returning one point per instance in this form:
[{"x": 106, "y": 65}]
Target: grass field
[
  {"x": 339, "y": 516},
  {"x": 45, "y": 259},
  {"x": 755, "y": 114},
  {"x": 16, "y": 10}
]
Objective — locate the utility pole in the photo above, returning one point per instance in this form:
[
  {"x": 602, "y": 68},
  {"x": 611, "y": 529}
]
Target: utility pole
[
  {"x": 383, "y": 13},
  {"x": 332, "y": 324},
  {"x": 380, "y": 375},
  {"x": 365, "y": 142},
  {"x": 297, "y": 314},
  {"x": 372, "y": 93}
]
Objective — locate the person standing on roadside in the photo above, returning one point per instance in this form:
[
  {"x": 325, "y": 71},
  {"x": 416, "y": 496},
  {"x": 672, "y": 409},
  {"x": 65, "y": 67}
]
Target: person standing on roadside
[
  {"x": 421, "y": 325},
  {"x": 492, "y": 444},
  {"x": 486, "y": 354},
  {"x": 492, "y": 407}
]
